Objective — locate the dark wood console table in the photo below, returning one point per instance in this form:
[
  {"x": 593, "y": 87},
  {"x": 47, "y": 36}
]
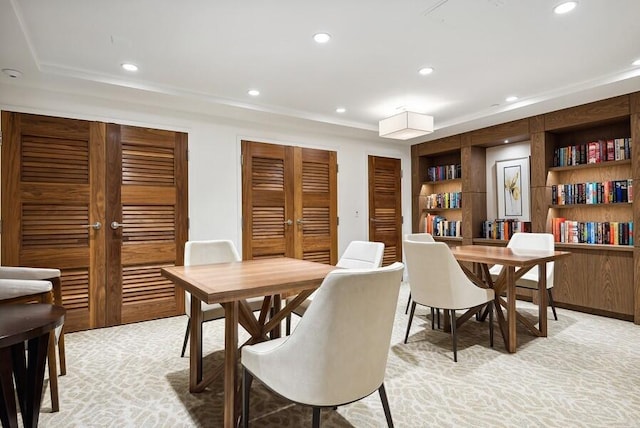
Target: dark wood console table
[{"x": 19, "y": 323}]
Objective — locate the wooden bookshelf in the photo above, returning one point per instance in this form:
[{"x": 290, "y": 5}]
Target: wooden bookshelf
[{"x": 597, "y": 278}]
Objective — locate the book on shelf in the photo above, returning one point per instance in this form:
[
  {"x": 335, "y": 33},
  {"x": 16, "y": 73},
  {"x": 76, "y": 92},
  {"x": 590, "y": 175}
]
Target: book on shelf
[
  {"x": 438, "y": 225},
  {"x": 592, "y": 232},
  {"x": 444, "y": 200},
  {"x": 444, "y": 172},
  {"x": 504, "y": 228},
  {"x": 614, "y": 149},
  {"x": 607, "y": 192}
]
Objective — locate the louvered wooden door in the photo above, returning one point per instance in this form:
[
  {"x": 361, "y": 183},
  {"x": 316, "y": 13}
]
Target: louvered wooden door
[
  {"x": 385, "y": 206},
  {"x": 289, "y": 202},
  {"x": 63, "y": 183},
  {"x": 53, "y": 189},
  {"x": 146, "y": 222}
]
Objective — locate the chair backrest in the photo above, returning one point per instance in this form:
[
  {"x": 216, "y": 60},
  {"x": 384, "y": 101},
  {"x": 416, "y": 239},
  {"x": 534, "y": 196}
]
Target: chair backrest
[
  {"x": 362, "y": 255},
  {"x": 436, "y": 278},
  {"x": 208, "y": 252},
  {"x": 535, "y": 241},
  {"x": 338, "y": 352},
  {"x": 419, "y": 237}
]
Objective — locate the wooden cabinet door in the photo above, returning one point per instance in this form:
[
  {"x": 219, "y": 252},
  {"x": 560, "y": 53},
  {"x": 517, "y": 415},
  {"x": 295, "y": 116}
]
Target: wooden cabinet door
[
  {"x": 64, "y": 182},
  {"x": 289, "y": 202},
  {"x": 146, "y": 221},
  {"x": 385, "y": 206},
  {"x": 53, "y": 190}
]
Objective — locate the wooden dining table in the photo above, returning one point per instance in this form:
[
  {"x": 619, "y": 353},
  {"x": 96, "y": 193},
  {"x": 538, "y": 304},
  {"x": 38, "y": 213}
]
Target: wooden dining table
[
  {"x": 231, "y": 284},
  {"x": 515, "y": 262}
]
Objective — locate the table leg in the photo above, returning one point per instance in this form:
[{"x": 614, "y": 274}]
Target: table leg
[
  {"x": 230, "y": 363},
  {"x": 8, "y": 410},
  {"x": 511, "y": 308},
  {"x": 29, "y": 384},
  {"x": 195, "y": 346},
  {"x": 542, "y": 299}
]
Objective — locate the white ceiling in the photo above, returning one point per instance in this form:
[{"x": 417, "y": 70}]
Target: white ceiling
[{"x": 207, "y": 53}]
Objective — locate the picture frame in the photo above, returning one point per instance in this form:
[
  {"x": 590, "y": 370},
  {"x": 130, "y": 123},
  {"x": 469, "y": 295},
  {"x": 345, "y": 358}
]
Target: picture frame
[{"x": 513, "y": 191}]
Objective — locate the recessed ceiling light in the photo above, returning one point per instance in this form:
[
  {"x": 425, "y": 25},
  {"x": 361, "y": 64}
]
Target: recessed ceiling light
[
  {"x": 253, "y": 92},
  {"x": 341, "y": 110},
  {"x": 322, "y": 37},
  {"x": 129, "y": 67},
  {"x": 511, "y": 99},
  {"x": 506, "y": 141},
  {"x": 14, "y": 74},
  {"x": 426, "y": 70},
  {"x": 565, "y": 7},
  {"x": 636, "y": 62}
]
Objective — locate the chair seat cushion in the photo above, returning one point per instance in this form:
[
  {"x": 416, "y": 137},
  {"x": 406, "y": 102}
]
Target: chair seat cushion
[
  {"x": 12, "y": 288},
  {"x": 215, "y": 311},
  {"x": 528, "y": 280}
]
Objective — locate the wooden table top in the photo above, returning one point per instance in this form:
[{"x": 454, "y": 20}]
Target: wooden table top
[
  {"x": 505, "y": 256},
  {"x": 20, "y": 322},
  {"x": 227, "y": 282}
]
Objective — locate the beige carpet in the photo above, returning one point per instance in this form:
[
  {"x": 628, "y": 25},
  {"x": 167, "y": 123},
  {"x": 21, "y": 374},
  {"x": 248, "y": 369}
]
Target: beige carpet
[{"x": 585, "y": 374}]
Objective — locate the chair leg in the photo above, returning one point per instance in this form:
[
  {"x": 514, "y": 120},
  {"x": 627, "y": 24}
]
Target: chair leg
[
  {"x": 553, "y": 306},
  {"x": 246, "y": 389},
  {"x": 413, "y": 309},
  {"x": 385, "y": 405},
  {"x": 433, "y": 318},
  {"x": 315, "y": 420},
  {"x": 490, "y": 309},
  {"x": 454, "y": 334},
  {"x": 62, "y": 356},
  {"x": 408, "y": 302},
  {"x": 53, "y": 373},
  {"x": 186, "y": 337},
  {"x": 288, "y": 325},
  {"x": 438, "y": 316}
]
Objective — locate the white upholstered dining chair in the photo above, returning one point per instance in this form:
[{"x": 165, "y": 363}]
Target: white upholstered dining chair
[
  {"x": 531, "y": 241},
  {"x": 359, "y": 254},
  {"x": 209, "y": 252},
  {"x": 338, "y": 352},
  {"x": 420, "y": 237},
  {"x": 437, "y": 280},
  {"x": 26, "y": 284}
]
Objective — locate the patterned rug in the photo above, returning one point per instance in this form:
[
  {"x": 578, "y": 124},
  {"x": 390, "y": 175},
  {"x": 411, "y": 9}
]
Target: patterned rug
[{"x": 585, "y": 374}]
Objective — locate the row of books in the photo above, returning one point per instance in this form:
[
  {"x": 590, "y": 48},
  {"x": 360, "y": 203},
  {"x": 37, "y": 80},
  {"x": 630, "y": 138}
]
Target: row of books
[
  {"x": 504, "y": 228},
  {"x": 439, "y": 226},
  {"x": 593, "y": 152},
  {"x": 607, "y": 192},
  {"x": 592, "y": 232},
  {"x": 444, "y": 172},
  {"x": 444, "y": 200}
]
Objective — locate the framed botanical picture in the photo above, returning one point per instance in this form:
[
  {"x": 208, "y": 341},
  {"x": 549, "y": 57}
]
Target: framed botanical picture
[{"x": 513, "y": 191}]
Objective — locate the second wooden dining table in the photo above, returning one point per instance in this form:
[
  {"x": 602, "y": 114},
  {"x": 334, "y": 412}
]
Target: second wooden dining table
[
  {"x": 231, "y": 284},
  {"x": 510, "y": 259}
]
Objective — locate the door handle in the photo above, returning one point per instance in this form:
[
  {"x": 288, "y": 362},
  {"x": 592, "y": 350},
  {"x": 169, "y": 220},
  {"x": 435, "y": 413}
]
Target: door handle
[
  {"x": 299, "y": 221},
  {"x": 289, "y": 222},
  {"x": 96, "y": 226},
  {"x": 373, "y": 220},
  {"x": 115, "y": 225}
]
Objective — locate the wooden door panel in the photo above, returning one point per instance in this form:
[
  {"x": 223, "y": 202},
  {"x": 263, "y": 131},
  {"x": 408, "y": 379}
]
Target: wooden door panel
[
  {"x": 267, "y": 193},
  {"x": 385, "y": 206},
  {"x": 316, "y": 205},
  {"x": 48, "y": 165},
  {"x": 152, "y": 227}
]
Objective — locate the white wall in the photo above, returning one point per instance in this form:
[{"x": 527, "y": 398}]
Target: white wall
[
  {"x": 504, "y": 152},
  {"x": 215, "y": 207}
]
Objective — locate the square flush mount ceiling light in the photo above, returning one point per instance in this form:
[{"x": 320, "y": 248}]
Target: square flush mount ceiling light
[{"x": 406, "y": 125}]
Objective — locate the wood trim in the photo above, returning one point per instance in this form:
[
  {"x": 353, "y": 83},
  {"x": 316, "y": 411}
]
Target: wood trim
[
  {"x": 517, "y": 130},
  {"x": 113, "y": 238},
  {"x": 97, "y": 250},
  {"x": 588, "y": 114}
]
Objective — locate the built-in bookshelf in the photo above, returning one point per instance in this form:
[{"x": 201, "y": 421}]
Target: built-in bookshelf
[
  {"x": 584, "y": 173},
  {"x": 440, "y": 196}
]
